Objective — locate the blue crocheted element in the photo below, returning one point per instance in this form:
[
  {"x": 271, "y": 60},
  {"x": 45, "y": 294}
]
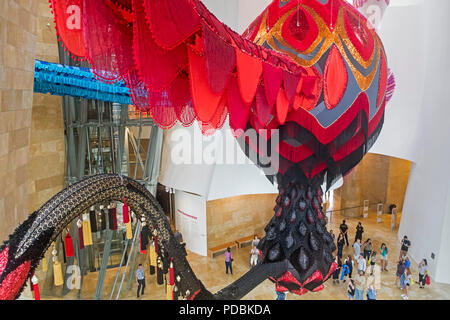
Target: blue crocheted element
[{"x": 61, "y": 80}]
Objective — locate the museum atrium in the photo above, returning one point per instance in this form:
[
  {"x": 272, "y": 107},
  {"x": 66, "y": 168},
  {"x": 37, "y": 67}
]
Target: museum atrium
[{"x": 212, "y": 149}]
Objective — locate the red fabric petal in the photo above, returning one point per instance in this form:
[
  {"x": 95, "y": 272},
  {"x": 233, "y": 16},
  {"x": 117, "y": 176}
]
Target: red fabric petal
[
  {"x": 180, "y": 95},
  {"x": 309, "y": 89},
  {"x": 138, "y": 91},
  {"x": 217, "y": 121},
  {"x": 263, "y": 109},
  {"x": 273, "y": 78},
  {"x": 220, "y": 59},
  {"x": 290, "y": 84},
  {"x": 249, "y": 73},
  {"x": 172, "y": 22},
  {"x": 69, "y": 24},
  {"x": 282, "y": 106},
  {"x": 336, "y": 78},
  {"x": 239, "y": 110},
  {"x": 157, "y": 66},
  {"x": 108, "y": 40},
  {"x": 162, "y": 109},
  {"x": 205, "y": 100}
]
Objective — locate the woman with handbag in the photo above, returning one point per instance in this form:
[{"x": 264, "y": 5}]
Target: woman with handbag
[
  {"x": 228, "y": 261},
  {"x": 423, "y": 269}
]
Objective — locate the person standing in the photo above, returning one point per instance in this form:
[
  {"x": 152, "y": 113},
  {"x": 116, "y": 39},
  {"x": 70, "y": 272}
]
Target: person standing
[
  {"x": 360, "y": 281},
  {"x": 348, "y": 268},
  {"x": 255, "y": 241},
  {"x": 344, "y": 228},
  {"x": 374, "y": 272},
  {"x": 351, "y": 290},
  {"x": 359, "y": 232},
  {"x": 407, "y": 284},
  {"x": 280, "y": 295},
  {"x": 405, "y": 247},
  {"x": 361, "y": 263},
  {"x": 384, "y": 257},
  {"x": 407, "y": 263},
  {"x": 228, "y": 261},
  {"x": 140, "y": 279},
  {"x": 338, "y": 270},
  {"x": 371, "y": 293},
  {"x": 423, "y": 269},
  {"x": 340, "y": 244},
  {"x": 332, "y": 235},
  {"x": 254, "y": 256},
  {"x": 400, "y": 270},
  {"x": 357, "y": 249},
  {"x": 367, "y": 249}
]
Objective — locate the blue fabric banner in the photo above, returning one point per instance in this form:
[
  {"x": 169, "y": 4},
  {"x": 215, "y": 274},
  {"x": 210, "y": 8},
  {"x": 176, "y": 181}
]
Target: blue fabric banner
[{"x": 61, "y": 80}]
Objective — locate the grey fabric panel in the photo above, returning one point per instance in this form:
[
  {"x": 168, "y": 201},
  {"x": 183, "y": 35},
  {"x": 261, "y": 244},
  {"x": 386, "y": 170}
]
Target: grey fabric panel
[
  {"x": 365, "y": 72},
  {"x": 281, "y": 47}
]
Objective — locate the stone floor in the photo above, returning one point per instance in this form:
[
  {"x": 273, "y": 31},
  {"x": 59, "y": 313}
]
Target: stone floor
[{"x": 212, "y": 273}]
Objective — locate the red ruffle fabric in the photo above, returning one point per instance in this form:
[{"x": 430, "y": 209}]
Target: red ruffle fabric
[{"x": 182, "y": 64}]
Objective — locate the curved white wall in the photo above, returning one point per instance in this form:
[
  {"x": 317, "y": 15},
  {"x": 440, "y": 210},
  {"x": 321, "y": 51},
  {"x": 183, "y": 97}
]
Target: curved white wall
[{"x": 426, "y": 209}]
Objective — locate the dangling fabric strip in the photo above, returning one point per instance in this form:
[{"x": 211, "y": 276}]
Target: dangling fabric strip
[
  {"x": 93, "y": 221},
  {"x": 129, "y": 231},
  {"x": 69, "y": 245},
  {"x": 171, "y": 273},
  {"x": 140, "y": 245},
  {"x": 112, "y": 218},
  {"x": 57, "y": 274},
  {"x": 159, "y": 274},
  {"x": 152, "y": 257},
  {"x": 156, "y": 244},
  {"x": 63, "y": 249},
  {"x": 80, "y": 234},
  {"x": 87, "y": 234},
  {"x": 103, "y": 218},
  {"x": 144, "y": 238},
  {"x": 35, "y": 286},
  {"x": 126, "y": 215}
]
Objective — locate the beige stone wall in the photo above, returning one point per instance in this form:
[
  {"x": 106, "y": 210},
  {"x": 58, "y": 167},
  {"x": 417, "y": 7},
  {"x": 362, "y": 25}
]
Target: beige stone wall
[
  {"x": 47, "y": 147},
  {"x": 379, "y": 179},
  {"x": 18, "y": 28},
  {"x": 237, "y": 217}
]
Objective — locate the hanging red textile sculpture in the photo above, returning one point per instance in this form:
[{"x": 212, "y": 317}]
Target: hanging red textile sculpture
[{"x": 309, "y": 78}]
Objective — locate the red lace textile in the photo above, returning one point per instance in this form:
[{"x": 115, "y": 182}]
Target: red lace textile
[{"x": 182, "y": 64}]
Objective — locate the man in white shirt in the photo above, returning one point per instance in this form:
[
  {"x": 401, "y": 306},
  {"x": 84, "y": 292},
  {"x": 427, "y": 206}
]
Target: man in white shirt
[{"x": 357, "y": 249}]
